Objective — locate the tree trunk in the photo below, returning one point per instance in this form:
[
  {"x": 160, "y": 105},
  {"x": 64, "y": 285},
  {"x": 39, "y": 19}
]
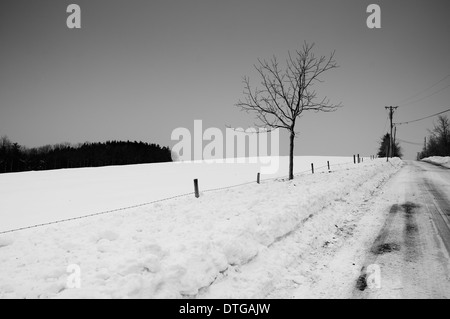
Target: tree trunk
[{"x": 291, "y": 155}]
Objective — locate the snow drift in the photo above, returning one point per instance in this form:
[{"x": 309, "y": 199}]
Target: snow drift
[
  {"x": 441, "y": 160},
  {"x": 176, "y": 248}
]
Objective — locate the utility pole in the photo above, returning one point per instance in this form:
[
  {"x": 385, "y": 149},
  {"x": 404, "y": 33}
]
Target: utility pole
[{"x": 391, "y": 114}]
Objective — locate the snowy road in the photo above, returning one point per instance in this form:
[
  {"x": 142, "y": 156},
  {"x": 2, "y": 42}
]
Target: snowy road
[
  {"x": 436, "y": 185},
  {"x": 404, "y": 234},
  {"x": 400, "y": 226},
  {"x": 412, "y": 248}
]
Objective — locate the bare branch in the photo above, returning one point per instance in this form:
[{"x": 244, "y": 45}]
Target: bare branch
[{"x": 285, "y": 93}]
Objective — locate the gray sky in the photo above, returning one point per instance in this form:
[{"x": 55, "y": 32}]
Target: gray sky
[{"x": 139, "y": 69}]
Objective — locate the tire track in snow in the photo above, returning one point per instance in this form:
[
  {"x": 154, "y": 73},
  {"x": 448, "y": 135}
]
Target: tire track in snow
[
  {"x": 408, "y": 248},
  {"x": 441, "y": 212}
]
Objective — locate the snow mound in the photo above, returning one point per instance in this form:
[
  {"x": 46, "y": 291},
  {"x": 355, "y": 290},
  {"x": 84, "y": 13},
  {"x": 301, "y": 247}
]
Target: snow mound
[
  {"x": 441, "y": 160},
  {"x": 108, "y": 235},
  {"x": 179, "y": 248}
]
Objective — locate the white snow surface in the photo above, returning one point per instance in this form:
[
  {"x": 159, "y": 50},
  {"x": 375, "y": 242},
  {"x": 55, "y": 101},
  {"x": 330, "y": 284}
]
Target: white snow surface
[
  {"x": 441, "y": 160},
  {"x": 31, "y": 198},
  {"x": 171, "y": 249}
]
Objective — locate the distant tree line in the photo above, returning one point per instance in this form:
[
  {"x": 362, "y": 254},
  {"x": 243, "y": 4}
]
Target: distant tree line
[
  {"x": 438, "y": 142},
  {"x": 17, "y": 158}
]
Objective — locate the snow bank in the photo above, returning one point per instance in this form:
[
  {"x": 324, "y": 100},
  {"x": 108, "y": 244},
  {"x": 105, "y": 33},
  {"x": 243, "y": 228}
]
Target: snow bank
[
  {"x": 176, "y": 248},
  {"x": 444, "y": 161}
]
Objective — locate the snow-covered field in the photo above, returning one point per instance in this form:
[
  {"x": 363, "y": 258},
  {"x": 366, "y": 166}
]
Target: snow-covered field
[
  {"x": 171, "y": 249},
  {"x": 441, "y": 160},
  {"x": 31, "y": 198}
]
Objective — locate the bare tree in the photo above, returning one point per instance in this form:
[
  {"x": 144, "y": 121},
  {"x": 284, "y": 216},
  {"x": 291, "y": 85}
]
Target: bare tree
[
  {"x": 5, "y": 142},
  {"x": 441, "y": 136},
  {"x": 287, "y": 92}
]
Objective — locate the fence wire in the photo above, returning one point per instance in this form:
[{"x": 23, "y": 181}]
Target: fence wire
[{"x": 279, "y": 178}]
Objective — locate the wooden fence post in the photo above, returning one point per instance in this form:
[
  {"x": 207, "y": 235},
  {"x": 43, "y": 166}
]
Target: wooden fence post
[
  {"x": 358, "y": 159},
  {"x": 328, "y": 162},
  {"x": 312, "y": 168},
  {"x": 258, "y": 178},
  {"x": 354, "y": 159},
  {"x": 197, "y": 194}
]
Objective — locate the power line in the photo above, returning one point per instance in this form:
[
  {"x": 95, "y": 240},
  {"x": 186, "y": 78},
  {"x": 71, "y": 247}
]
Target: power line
[
  {"x": 407, "y": 142},
  {"x": 422, "y": 91},
  {"x": 425, "y": 97},
  {"x": 424, "y": 118}
]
